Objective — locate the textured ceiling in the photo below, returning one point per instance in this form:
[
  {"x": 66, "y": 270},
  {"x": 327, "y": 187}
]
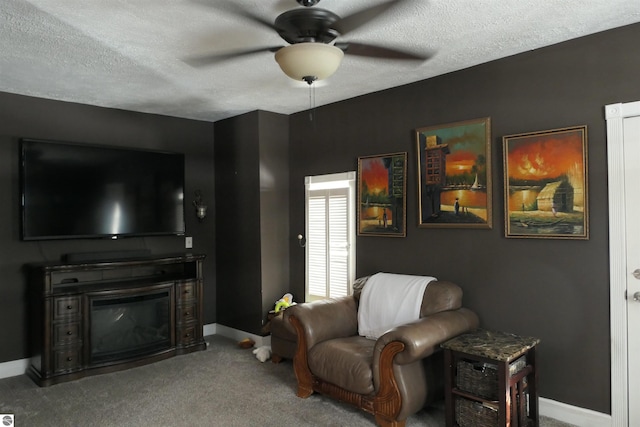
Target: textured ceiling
[{"x": 130, "y": 54}]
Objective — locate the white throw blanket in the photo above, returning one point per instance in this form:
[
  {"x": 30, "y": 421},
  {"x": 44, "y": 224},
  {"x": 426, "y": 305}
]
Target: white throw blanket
[{"x": 390, "y": 300}]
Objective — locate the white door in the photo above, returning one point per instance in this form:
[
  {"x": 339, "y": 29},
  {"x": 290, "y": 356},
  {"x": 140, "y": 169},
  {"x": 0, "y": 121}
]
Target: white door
[
  {"x": 631, "y": 128},
  {"x": 623, "y": 148}
]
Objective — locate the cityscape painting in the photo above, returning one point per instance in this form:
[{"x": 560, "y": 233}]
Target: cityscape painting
[
  {"x": 382, "y": 194},
  {"x": 454, "y": 175}
]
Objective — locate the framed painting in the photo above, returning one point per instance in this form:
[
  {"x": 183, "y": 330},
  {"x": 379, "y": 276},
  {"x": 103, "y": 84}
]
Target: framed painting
[
  {"x": 382, "y": 195},
  {"x": 454, "y": 175},
  {"x": 545, "y": 175}
]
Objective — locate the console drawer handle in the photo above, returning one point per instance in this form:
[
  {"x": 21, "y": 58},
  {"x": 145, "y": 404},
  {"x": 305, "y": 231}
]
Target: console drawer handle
[
  {"x": 69, "y": 333},
  {"x": 69, "y": 307},
  {"x": 186, "y": 313},
  {"x": 69, "y": 359}
]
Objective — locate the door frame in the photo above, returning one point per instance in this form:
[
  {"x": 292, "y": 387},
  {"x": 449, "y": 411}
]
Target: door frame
[{"x": 615, "y": 115}]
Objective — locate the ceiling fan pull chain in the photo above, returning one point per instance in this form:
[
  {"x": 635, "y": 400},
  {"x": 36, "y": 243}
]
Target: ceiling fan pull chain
[
  {"x": 311, "y": 100},
  {"x": 314, "y": 100}
]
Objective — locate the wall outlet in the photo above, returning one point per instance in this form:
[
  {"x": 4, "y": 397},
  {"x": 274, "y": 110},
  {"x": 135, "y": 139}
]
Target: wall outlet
[{"x": 188, "y": 242}]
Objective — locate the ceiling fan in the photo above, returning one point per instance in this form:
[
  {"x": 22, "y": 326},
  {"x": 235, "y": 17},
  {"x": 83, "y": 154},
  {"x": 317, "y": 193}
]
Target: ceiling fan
[{"x": 313, "y": 53}]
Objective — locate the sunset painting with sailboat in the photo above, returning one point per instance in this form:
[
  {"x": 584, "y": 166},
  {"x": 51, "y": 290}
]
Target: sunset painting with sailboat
[{"x": 455, "y": 174}]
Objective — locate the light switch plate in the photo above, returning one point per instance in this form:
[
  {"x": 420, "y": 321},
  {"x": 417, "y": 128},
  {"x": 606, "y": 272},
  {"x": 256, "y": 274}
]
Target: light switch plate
[{"x": 188, "y": 242}]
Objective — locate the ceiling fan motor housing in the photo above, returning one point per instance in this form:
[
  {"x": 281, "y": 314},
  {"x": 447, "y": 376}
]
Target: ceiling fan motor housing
[
  {"x": 308, "y": 3},
  {"x": 307, "y": 25}
]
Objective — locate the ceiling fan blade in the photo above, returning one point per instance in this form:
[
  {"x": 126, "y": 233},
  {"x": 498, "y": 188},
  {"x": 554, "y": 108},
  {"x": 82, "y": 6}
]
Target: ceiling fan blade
[
  {"x": 257, "y": 19},
  {"x": 236, "y": 9},
  {"x": 204, "y": 60},
  {"x": 283, "y": 5},
  {"x": 357, "y": 19},
  {"x": 361, "y": 49}
]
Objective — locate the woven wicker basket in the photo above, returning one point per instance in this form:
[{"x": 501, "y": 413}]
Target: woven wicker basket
[
  {"x": 475, "y": 414},
  {"x": 481, "y": 379}
]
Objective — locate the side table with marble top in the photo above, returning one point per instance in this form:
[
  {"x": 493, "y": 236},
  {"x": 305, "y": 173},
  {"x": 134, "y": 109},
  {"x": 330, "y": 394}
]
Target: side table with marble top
[{"x": 515, "y": 403}]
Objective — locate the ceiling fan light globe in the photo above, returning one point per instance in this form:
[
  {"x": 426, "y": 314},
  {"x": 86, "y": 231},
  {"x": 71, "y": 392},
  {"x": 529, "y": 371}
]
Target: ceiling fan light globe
[{"x": 302, "y": 60}]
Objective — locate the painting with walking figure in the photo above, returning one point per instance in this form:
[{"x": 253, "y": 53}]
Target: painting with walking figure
[
  {"x": 454, "y": 175},
  {"x": 382, "y": 194},
  {"x": 545, "y": 175}
]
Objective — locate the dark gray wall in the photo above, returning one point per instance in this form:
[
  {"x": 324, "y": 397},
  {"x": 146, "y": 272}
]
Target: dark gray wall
[
  {"x": 22, "y": 116},
  {"x": 237, "y": 223},
  {"x": 274, "y": 207},
  {"x": 252, "y": 197},
  {"x": 556, "y": 290}
]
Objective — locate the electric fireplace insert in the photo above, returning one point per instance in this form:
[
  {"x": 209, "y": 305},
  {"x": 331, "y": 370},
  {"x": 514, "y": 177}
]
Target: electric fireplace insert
[{"x": 123, "y": 327}]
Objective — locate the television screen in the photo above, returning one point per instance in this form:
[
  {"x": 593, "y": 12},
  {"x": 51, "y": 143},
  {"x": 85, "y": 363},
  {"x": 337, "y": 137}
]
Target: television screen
[{"x": 77, "y": 191}]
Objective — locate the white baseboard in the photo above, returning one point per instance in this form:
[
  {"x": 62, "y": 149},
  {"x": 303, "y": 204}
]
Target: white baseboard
[
  {"x": 573, "y": 414},
  {"x": 209, "y": 329},
  {"x": 239, "y": 335},
  {"x": 14, "y": 368}
]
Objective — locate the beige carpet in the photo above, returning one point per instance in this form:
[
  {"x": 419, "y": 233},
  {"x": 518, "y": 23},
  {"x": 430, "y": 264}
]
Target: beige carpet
[{"x": 222, "y": 386}]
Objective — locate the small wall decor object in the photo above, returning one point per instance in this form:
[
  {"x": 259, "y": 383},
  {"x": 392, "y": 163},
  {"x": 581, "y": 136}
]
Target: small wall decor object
[
  {"x": 201, "y": 207},
  {"x": 454, "y": 175},
  {"x": 382, "y": 195},
  {"x": 545, "y": 175}
]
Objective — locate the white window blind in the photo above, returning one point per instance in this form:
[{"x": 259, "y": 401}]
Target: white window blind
[
  {"x": 330, "y": 251},
  {"x": 317, "y": 262}
]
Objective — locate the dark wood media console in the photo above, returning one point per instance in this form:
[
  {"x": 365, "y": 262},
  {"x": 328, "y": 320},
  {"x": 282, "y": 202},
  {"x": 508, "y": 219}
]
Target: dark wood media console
[{"x": 153, "y": 306}]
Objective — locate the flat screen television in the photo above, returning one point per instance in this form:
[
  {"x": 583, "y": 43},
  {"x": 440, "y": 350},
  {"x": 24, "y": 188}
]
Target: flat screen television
[{"x": 74, "y": 191}]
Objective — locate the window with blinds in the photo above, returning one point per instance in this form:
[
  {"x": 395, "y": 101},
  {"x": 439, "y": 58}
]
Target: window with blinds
[{"x": 330, "y": 230}]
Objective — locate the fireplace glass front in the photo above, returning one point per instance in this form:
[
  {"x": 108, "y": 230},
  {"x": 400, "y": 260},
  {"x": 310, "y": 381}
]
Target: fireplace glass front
[{"x": 125, "y": 327}]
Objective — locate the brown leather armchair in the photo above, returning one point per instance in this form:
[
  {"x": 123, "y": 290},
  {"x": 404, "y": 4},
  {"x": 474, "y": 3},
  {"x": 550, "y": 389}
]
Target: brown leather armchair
[
  {"x": 283, "y": 338},
  {"x": 391, "y": 377}
]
